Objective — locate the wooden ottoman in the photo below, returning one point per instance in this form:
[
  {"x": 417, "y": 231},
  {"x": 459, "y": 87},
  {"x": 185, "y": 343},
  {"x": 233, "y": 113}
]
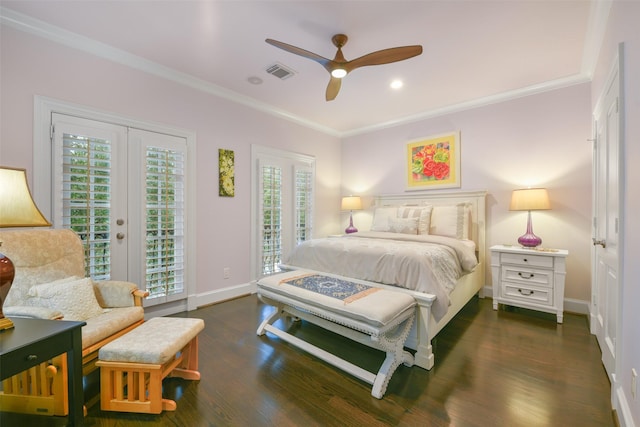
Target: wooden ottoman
[
  {"x": 359, "y": 310},
  {"x": 133, "y": 366}
]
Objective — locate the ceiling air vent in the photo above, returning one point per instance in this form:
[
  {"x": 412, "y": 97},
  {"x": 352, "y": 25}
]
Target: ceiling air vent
[{"x": 280, "y": 71}]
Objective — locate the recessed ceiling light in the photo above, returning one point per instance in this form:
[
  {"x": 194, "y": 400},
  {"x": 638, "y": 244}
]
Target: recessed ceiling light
[
  {"x": 254, "y": 80},
  {"x": 396, "y": 84}
]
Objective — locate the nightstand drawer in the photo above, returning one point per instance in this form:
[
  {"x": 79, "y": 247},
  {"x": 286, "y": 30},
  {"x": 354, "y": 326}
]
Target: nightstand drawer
[
  {"x": 527, "y": 275},
  {"x": 523, "y": 293},
  {"x": 526, "y": 259}
]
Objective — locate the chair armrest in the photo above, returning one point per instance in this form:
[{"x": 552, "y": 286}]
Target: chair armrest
[
  {"x": 32, "y": 312},
  {"x": 138, "y": 296},
  {"x": 115, "y": 293}
]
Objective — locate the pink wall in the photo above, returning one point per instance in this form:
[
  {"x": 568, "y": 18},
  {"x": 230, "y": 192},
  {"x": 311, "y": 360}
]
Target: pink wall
[
  {"x": 34, "y": 66},
  {"x": 539, "y": 140},
  {"x": 623, "y": 28}
]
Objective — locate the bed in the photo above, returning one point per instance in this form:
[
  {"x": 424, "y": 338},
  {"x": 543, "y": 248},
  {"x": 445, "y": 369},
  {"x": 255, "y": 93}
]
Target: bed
[{"x": 435, "y": 228}]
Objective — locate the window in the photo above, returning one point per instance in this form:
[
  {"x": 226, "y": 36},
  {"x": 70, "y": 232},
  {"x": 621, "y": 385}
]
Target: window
[
  {"x": 164, "y": 222},
  {"x": 282, "y": 206}
]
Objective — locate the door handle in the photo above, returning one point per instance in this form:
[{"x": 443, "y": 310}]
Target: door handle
[
  {"x": 120, "y": 236},
  {"x": 602, "y": 242}
]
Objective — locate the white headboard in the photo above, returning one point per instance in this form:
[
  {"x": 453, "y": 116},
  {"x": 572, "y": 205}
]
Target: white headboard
[{"x": 475, "y": 198}]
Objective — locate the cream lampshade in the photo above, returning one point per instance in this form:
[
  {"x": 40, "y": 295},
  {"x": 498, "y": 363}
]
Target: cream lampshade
[
  {"x": 17, "y": 209},
  {"x": 530, "y": 199},
  {"x": 351, "y": 203}
]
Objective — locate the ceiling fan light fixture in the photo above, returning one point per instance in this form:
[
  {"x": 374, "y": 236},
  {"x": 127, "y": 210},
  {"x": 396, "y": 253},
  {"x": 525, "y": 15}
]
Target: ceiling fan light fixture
[{"x": 339, "y": 73}]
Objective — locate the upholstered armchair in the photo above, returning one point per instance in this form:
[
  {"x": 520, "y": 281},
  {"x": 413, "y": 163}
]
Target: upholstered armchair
[{"x": 49, "y": 283}]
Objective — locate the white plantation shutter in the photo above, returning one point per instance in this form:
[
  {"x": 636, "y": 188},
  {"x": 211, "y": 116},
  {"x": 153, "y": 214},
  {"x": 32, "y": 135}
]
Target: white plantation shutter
[
  {"x": 271, "y": 218},
  {"x": 86, "y": 198},
  {"x": 164, "y": 212},
  {"x": 304, "y": 202}
]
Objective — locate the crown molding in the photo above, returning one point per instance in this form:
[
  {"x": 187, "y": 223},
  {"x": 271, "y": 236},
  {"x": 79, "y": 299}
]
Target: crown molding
[
  {"x": 67, "y": 38},
  {"x": 475, "y": 103},
  {"x": 598, "y": 16}
]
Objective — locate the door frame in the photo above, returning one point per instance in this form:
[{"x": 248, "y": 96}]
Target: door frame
[
  {"x": 42, "y": 187},
  {"x": 616, "y": 69}
]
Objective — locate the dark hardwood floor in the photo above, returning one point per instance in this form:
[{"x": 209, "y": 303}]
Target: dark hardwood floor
[{"x": 511, "y": 367}]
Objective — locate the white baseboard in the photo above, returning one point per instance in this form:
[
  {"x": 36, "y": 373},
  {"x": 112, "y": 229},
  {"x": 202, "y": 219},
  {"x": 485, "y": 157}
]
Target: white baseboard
[
  {"x": 624, "y": 411},
  {"x": 224, "y": 294}
]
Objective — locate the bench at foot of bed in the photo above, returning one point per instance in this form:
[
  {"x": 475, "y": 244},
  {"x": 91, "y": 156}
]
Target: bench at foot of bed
[{"x": 379, "y": 318}]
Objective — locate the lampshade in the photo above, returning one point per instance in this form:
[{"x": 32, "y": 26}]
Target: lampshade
[
  {"x": 530, "y": 199},
  {"x": 351, "y": 203},
  {"x": 17, "y": 208}
]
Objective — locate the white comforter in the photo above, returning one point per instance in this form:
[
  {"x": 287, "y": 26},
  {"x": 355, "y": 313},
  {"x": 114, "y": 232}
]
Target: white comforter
[{"x": 424, "y": 263}]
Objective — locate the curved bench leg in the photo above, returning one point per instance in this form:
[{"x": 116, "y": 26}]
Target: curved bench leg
[
  {"x": 270, "y": 320},
  {"x": 394, "y": 345}
]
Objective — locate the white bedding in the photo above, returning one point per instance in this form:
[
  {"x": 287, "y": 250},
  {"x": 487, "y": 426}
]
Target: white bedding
[{"x": 424, "y": 263}]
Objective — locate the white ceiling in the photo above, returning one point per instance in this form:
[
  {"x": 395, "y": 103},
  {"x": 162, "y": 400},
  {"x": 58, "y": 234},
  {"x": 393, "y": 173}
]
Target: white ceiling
[{"x": 475, "y": 51}]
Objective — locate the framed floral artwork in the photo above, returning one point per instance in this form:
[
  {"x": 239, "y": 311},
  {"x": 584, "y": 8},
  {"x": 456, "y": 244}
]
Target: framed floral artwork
[
  {"x": 434, "y": 162},
  {"x": 226, "y": 173}
]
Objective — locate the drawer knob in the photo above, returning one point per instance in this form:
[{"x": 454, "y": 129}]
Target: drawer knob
[
  {"x": 527, "y": 293},
  {"x": 32, "y": 357},
  {"x": 525, "y": 260},
  {"x": 530, "y": 275}
]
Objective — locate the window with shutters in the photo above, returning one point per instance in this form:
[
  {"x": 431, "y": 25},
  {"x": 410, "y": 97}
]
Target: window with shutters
[
  {"x": 86, "y": 198},
  {"x": 271, "y": 219},
  {"x": 304, "y": 203},
  {"x": 164, "y": 221},
  {"x": 282, "y": 205}
]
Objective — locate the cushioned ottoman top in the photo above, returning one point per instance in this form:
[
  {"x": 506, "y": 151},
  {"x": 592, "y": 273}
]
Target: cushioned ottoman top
[
  {"x": 348, "y": 297},
  {"x": 156, "y": 341}
]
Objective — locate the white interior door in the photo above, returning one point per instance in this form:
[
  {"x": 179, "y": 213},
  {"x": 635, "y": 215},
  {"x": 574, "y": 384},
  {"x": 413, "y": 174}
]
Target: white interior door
[{"x": 606, "y": 225}]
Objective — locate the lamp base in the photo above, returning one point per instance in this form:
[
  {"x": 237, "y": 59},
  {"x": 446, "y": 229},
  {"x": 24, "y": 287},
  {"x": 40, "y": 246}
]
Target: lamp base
[
  {"x": 528, "y": 239},
  {"x": 7, "y": 273},
  {"x": 350, "y": 229}
]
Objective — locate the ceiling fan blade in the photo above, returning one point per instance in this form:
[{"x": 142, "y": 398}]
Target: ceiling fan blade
[
  {"x": 384, "y": 56},
  {"x": 298, "y": 51},
  {"x": 333, "y": 88}
]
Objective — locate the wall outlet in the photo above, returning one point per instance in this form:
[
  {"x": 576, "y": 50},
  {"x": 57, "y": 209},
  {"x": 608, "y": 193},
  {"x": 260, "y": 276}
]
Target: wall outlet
[
  {"x": 634, "y": 383},
  {"x": 226, "y": 272}
]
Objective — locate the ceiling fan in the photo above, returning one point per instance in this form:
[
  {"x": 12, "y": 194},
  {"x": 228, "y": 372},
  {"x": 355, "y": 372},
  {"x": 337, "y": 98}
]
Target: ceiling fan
[{"x": 340, "y": 67}]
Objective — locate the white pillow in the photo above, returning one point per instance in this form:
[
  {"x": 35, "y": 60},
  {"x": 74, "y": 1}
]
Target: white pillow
[
  {"x": 74, "y": 298},
  {"x": 451, "y": 220},
  {"x": 381, "y": 218},
  {"x": 423, "y": 213},
  {"x": 403, "y": 225}
]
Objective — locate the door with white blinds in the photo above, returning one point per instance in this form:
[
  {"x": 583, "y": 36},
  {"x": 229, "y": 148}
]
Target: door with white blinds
[
  {"x": 123, "y": 191},
  {"x": 283, "y": 206}
]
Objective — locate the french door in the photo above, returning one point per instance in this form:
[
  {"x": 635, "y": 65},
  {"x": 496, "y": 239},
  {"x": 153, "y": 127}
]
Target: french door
[{"x": 122, "y": 190}]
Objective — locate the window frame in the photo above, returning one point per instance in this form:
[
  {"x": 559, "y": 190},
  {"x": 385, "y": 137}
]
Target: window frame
[{"x": 290, "y": 163}]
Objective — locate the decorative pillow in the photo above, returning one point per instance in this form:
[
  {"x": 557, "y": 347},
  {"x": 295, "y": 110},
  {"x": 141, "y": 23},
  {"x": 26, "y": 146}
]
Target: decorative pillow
[
  {"x": 381, "y": 218},
  {"x": 403, "y": 225},
  {"x": 451, "y": 220},
  {"x": 423, "y": 213},
  {"x": 74, "y": 297}
]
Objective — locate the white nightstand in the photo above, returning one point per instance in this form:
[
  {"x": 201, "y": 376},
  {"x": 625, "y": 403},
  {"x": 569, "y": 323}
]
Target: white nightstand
[{"x": 529, "y": 278}]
